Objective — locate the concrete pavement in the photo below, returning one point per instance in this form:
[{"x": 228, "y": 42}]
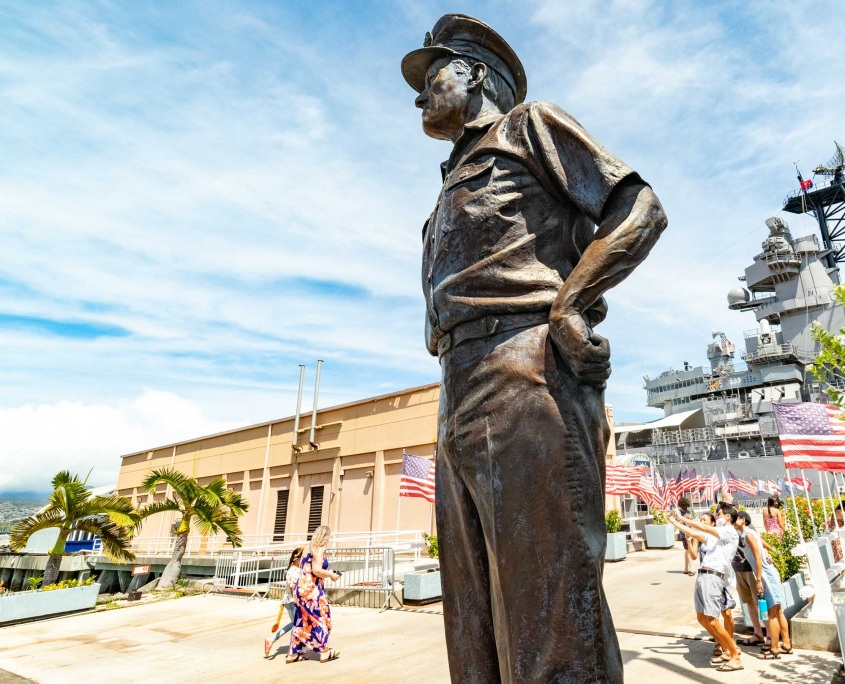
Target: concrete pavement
[{"x": 219, "y": 639}]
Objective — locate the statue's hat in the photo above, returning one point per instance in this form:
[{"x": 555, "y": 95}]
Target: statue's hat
[{"x": 458, "y": 35}]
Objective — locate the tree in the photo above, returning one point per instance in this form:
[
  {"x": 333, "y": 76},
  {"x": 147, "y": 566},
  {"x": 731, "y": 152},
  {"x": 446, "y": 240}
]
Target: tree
[
  {"x": 71, "y": 507},
  {"x": 829, "y": 364},
  {"x": 211, "y": 509}
]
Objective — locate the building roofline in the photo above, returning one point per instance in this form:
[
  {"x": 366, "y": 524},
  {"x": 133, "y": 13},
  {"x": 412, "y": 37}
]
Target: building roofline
[{"x": 282, "y": 420}]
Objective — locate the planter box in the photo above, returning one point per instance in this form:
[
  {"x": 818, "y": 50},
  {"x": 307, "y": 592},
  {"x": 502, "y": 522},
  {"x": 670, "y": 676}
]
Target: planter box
[
  {"x": 422, "y": 586},
  {"x": 660, "y": 536},
  {"x": 617, "y": 547},
  {"x": 28, "y": 605}
]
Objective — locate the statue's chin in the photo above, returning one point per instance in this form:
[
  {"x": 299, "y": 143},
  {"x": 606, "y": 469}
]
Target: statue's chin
[{"x": 433, "y": 131}]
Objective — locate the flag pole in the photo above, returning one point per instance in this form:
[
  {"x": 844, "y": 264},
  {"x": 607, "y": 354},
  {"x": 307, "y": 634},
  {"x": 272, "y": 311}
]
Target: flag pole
[
  {"x": 797, "y": 519},
  {"x": 810, "y": 505},
  {"x": 824, "y": 504},
  {"x": 832, "y": 508},
  {"x": 399, "y": 506}
]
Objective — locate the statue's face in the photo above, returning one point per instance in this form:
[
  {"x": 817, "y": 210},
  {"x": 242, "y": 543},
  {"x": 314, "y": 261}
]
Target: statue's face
[{"x": 444, "y": 100}]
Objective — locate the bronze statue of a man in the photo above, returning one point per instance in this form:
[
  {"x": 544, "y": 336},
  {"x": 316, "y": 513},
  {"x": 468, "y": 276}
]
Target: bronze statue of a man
[{"x": 534, "y": 223}]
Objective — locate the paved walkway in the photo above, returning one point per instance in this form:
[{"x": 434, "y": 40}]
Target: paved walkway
[{"x": 219, "y": 639}]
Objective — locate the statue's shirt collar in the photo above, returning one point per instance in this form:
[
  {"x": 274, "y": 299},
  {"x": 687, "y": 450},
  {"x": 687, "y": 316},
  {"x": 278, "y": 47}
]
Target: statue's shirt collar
[{"x": 473, "y": 128}]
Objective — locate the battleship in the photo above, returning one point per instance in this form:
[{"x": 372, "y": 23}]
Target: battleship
[{"x": 724, "y": 411}]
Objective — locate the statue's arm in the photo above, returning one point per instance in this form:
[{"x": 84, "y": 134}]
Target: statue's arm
[
  {"x": 632, "y": 221},
  {"x": 612, "y": 196}
]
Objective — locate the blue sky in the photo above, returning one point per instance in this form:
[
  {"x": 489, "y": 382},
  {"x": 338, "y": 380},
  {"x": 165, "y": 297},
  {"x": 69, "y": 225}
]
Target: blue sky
[{"x": 197, "y": 197}]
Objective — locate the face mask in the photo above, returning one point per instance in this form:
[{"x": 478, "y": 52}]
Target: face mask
[{"x": 720, "y": 522}]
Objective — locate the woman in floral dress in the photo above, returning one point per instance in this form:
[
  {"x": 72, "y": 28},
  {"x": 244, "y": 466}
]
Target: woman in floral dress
[{"x": 312, "y": 622}]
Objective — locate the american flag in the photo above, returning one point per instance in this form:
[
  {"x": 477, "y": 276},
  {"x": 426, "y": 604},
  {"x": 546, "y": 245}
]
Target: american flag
[
  {"x": 811, "y": 436},
  {"x": 737, "y": 484},
  {"x": 646, "y": 491},
  {"x": 417, "y": 477},
  {"x": 621, "y": 479},
  {"x": 711, "y": 486}
]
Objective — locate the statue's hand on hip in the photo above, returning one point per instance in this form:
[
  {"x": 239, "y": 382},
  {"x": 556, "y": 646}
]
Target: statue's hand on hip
[{"x": 586, "y": 354}]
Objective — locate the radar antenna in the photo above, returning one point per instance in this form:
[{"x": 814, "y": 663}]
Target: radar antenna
[
  {"x": 825, "y": 201},
  {"x": 835, "y": 165}
]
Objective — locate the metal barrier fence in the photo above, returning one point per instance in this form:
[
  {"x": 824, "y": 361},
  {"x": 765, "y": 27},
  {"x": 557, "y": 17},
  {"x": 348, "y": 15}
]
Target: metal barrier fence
[{"x": 370, "y": 569}]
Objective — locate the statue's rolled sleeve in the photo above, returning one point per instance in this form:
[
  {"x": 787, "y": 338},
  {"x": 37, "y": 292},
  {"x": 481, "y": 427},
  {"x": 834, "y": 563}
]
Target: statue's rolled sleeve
[{"x": 575, "y": 164}]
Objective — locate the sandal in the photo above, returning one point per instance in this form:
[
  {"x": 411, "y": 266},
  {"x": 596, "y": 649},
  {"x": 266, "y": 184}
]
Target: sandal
[
  {"x": 296, "y": 659},
  {"x": 753, "y": 640},
  {"x": 786, "y": 651},
  {"x": 717, "y": 651},
  {"x": 768, "y": 655},
  {"x": 333, "y": 655},
  {"x": 267, "y": 646},
  {"x": 720, "y": 660},
  {"x": 729, "y": 668}
]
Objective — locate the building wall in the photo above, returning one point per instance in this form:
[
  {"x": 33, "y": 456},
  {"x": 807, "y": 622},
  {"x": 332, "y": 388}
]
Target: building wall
[{"x": 358, "y": 462}]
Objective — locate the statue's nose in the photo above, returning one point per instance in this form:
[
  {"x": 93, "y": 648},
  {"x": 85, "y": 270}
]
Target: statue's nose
[{"x": 421, "y": 99}]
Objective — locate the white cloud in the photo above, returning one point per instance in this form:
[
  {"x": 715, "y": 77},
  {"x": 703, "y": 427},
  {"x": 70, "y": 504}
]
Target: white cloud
[
  {"x": 246, "y": 193},
  {"x": 40, "y": 440}
]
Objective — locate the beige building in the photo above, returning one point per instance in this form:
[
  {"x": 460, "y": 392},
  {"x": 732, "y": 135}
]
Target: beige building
[{"x": 350, "y": 481}]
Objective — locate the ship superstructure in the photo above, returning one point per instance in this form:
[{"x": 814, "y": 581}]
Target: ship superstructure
[{"x": 724, "y": 411}]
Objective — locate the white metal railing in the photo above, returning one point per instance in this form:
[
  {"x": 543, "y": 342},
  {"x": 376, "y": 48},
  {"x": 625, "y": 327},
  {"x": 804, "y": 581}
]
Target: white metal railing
[
  {"x": 404, "y": 542},
  {"x": 371, "y": 568}
]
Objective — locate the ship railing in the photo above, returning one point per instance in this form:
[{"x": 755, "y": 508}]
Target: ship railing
[
  {"x": 407, "y": 543},
  {"x": 818, "y": 184},
  {"x": 787, "y": 258},
  {"x": 754, "y": 333},
  {"x": 667, "y": 437},
  {"x": 778, "y": 351}
]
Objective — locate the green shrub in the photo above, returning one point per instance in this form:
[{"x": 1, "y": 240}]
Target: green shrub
[
  {"x": 34, "y": 582},
  {"x": 613, "y": 521},
  {"x": 433, "y": 548},
  {"x": 781, "y": 553},
  {"x": 69, "y": 584}
]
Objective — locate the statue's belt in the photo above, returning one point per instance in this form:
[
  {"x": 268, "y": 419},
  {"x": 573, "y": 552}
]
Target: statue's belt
[{"x": 488, "y": 326}]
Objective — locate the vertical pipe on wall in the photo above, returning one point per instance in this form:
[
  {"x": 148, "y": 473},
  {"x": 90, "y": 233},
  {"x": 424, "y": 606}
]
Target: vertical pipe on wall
[
  {"x": 263, "y": 481},
  {"x": 311, "y": 441},
  {"x": 298, "y": 409},
  {"x": 166, "y": 494}
]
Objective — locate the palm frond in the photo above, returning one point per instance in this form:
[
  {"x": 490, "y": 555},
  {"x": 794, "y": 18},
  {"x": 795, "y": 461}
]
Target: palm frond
[
  {"x": 235, "y": 502},
  {"x": 184, "y": 485},
  {"x": 229, "y": 526},
  {"x": 62, "y": 478},
  {"x": 25, "y": 528},
  {"x": 214, "y": 491},
  {"x": 119, "y": 509},
  {"x": 116, "y": 539},
  {"x": 158, "y": 507}
]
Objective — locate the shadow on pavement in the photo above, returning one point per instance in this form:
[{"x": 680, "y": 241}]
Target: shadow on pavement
[{"x": 804, "y": 668}]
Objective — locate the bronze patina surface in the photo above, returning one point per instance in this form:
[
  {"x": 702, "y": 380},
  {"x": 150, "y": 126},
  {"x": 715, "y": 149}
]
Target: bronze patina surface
[{"x": 534, "y": 223}]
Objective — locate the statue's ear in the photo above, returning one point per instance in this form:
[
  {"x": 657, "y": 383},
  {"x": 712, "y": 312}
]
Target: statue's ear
[{"x": 477, "y": 75}]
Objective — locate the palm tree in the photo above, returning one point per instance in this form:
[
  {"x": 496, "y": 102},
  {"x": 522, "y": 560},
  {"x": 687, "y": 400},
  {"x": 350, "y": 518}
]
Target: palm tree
[
  {"x": 72, "y": 506},
  {"x": 212, "y": 509}
]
